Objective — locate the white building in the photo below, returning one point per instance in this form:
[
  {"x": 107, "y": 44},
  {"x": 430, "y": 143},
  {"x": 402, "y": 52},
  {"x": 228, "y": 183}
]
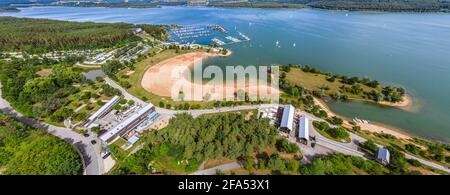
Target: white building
[
  {"x": 383, "y": 156},
  {"x": 136, "y": 30},
  {"x": 303, "y": 130},
  {"x": 287, "y": 119},
  {"x": 103, "y": 110},
  {"x": 131, "y": 122}
]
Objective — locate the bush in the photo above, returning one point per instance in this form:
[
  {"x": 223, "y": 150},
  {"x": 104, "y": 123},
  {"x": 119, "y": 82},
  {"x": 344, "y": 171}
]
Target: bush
[
  {"x": 412, "y": 148},
  {"x": 283, "y": 145},
  {"x": 336, "y": 120},
  {"x": 370, "y": 147},
  {"x": 414, "y": 162},
  {"x": 338, "y": 133}
]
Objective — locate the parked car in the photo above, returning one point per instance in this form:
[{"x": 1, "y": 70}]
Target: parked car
[{"x": 93, "y": 142}]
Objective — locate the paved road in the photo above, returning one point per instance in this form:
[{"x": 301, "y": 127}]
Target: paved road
[
  {"x": 90, "y": 155},
  {"x": 213, "y": 171},
  {"x": 123, "y": 91}
]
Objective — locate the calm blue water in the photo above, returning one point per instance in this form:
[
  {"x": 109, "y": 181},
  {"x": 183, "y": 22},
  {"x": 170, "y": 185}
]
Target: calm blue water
[{"x": 407, "y": 49}]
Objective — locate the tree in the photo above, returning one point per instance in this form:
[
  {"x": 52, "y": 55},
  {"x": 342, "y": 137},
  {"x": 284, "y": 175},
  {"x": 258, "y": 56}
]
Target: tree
[
  {"x": 370, "y": 147},
  {"x": 276, "y": 163},
  {"x": 397, "y": 162},
  {"x": 248, "y": 163},
  {"x": 336, "y": 120},
  {"x": 283, "y": 145},
  {"x": 412, "y": 148},
  {"x": 28, "y": 151},
  {"x": 61, "y": 114},
  {"x": 338, "y": 133}
]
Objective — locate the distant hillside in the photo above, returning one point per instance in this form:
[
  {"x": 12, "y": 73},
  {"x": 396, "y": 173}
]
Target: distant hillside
[
  {"x": 382, "y": 5},
  {"x": 354, "y": 5}
]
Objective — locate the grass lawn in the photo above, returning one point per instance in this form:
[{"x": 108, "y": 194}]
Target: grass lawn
[{"x": 314, "y": 81}]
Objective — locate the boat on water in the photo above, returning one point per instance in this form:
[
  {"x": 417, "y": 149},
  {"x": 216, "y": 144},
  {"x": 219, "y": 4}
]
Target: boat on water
[
  {"x": 244, "y": 36},
  {"x": 357, "y": 120}
]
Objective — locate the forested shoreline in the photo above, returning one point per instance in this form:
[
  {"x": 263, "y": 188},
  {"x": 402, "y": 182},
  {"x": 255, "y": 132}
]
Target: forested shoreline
[
  {"x": 43, "y": 35},
  {"x": 350, "y": 5}
]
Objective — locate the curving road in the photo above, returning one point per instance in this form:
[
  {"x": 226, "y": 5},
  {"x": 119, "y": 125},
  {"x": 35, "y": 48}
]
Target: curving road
[{"x": 92, "y": 162}]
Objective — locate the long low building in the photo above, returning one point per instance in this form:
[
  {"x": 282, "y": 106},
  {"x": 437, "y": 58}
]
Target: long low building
[
  {"x": 129, "y": 123},
  {"x": 104, "y": 109},
  {"x": 287, "y": 119},
  {"x": 303, "y": 129}
]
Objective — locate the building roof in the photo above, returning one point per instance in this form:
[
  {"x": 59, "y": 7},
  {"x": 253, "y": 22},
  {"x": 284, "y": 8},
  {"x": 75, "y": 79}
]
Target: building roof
[
  {"x": 383, "y": 154},
  {"x": 105, "y": 107},
  {"x": 106, "y": 136},
  {"x": 303, "y": 128},
  {"x": 288, "y": 117},
  {"x": 133, "y": 139},
  {"x": 136, "y": 29}
]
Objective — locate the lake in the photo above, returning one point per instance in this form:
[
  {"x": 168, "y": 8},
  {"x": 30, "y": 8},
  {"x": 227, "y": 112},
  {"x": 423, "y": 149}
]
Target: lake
[{"x": 411, "y": 50}]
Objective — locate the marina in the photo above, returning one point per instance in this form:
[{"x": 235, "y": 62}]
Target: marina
[{"x": 205, "y": 34}]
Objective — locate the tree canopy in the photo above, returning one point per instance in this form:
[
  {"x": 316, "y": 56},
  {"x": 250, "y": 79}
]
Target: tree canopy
[
  {"x": 43, "y": 35},
  {"x": 28, "y": 151}
]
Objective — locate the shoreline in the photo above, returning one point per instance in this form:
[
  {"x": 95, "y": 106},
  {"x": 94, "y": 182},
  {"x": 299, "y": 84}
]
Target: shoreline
[
  {"x": 406, "y": 104},
  {"x": 371, "y": 127}
]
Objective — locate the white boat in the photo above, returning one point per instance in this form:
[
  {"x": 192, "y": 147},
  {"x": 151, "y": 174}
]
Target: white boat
[{"x": 244, "y": 36}]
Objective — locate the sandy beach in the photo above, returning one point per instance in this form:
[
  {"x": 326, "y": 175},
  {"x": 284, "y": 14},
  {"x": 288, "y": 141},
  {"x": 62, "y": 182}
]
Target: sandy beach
[
  {"x": 171, "y": 76},
  {"x": 406, "y": 104},
  {"x": 377, "y": 128}
]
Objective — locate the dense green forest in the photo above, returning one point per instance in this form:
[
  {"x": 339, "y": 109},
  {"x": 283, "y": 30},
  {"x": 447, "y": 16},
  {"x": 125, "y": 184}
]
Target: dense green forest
[
  {"x": 42, "y": 35},
  {"x": 28, "y": 151},
  {"x": 36, "y": 96},
  {"x": 194, "y": 140}
]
